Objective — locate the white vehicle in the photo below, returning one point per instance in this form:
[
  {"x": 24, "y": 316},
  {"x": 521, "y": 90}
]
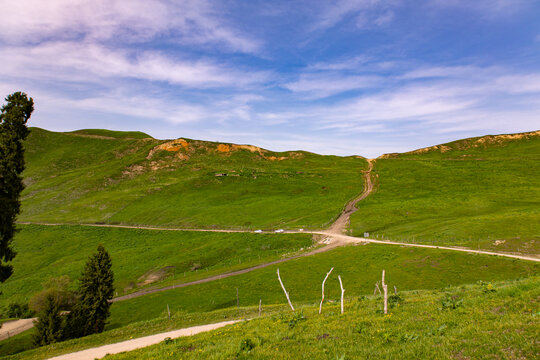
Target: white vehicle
[
  {"x": 279, "y": 230},
  {"x": 258, "y": 231}
]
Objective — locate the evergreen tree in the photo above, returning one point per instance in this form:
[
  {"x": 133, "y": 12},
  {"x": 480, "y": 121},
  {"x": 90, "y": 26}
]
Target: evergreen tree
[
  {"x": 50, "y": 325},
  {"x": 91, "y": 310},
  {"x": 13, "y": 132}
]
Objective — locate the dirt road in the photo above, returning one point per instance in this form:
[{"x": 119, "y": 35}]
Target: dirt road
[
  {"x": 12, "y": 328},
  {"x": 129, "y": 345},
  {"x": 345, "y": 239},
  {"x": 342, "y": 222}
]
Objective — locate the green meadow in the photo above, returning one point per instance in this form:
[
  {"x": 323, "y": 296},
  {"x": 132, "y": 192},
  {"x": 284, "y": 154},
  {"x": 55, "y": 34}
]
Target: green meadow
[
  {"x": 167, "y": 257},
  {"x": 479, "y": 193},
  {"x": 97, "y": 176},
  {"x": 480, "y": 321},
  {"x": 359, "y": 266},
  {"x": 470, "y": 322}
]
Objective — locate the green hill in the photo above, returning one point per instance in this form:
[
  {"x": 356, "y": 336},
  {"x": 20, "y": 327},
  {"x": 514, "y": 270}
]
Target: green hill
[
  {"x": 480, "y": 193},
  {"x": 100, "y": 176}
]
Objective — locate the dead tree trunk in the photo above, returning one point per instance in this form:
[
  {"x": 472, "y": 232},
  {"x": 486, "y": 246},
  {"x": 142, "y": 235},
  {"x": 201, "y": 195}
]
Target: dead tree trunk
[
  {"x": 326, "y": 277},
  {"x": 285, "y": 291},
  {"x": 342, "y": 292},
  {"x": 385, "y": 290}
]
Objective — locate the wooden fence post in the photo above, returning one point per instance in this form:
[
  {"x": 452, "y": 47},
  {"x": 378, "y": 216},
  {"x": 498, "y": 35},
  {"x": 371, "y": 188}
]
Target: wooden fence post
[
  {"x": 342, "y": 292},
  {"x": 385, "y": 290},
  {"x": 285, "y": 291},
  {"x": 326, "y": 277}
]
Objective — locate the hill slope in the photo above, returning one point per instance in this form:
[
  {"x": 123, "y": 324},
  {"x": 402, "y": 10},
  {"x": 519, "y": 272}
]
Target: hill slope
[
  {"x": 479, "y": 192},
  {"x": 104, "y": 176}
]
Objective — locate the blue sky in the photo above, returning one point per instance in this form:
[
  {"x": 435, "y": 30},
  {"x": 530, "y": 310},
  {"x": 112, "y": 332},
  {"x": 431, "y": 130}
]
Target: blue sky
[{"x": 344, "y": 77}]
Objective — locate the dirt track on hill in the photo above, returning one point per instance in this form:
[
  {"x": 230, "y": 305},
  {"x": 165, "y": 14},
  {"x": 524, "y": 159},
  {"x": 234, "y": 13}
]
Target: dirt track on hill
[
  {"x": 340, "y": 225},
  {"x": 12, "y": 328},
  {"x": 129, "y": 345}
]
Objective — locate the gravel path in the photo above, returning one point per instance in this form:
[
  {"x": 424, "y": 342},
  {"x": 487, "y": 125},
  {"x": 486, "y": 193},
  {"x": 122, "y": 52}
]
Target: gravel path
[
  {"x": 12, "y": 328},
  {"x": 129, "y": 345}
]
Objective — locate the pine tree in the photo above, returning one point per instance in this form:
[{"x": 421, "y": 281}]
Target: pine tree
[
  {"x": 50, "y": 325},
  {"x": 13, "y": 132},
  {"x": 91, "y": 310}
]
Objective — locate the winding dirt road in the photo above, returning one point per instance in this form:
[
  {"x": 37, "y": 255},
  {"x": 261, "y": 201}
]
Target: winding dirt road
[{"x": 342, "y": 222}]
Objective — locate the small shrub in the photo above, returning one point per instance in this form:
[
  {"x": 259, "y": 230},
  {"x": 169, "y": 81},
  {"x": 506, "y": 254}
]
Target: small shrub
[
  {"x": 395, "y": 301},
  {"x": 168, "y": 341},
  {"x": 21, "y": 311},
  {"x": 451, "y": 302},
  {"x": 246, "y": 345},
  {"x": 487, "y": 287},
  {"x": 362, "y": 327}
]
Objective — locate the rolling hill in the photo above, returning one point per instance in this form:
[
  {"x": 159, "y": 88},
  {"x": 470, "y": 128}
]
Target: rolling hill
[
  {"x": 480, "y": 193},
  {"x": 100, "y": 176}
]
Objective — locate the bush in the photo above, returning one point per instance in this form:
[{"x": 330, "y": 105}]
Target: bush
[
  {"x": 58, "y": 289},
  {"x": 451, "y": 302},
  {"x": 20, "y": 311},
  {"x": 246, "y": 345}
]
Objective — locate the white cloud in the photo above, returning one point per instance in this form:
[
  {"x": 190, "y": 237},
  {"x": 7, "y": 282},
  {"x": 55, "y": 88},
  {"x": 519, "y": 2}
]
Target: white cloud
[
  {"x": 318, "y": 85},
  {"x": 368, "y": 13},
  {"x": 69, "y": 61},
  {"x": 190, "y": 21}
]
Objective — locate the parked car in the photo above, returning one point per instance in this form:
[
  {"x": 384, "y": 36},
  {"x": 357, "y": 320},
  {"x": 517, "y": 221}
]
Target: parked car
[
  {"x": 258, "y": 231},
  {"x": 279, "y": 230}
]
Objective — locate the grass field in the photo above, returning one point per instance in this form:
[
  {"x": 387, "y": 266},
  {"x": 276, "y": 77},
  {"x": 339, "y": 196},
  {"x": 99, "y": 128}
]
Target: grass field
[
  {"x": 114, "y": 177},
  {"x": 137, "y": 255},
  {"x": 360, "y": 267},
  {"x": 477, "y": 193},
  {"x": 496, "y": 320},
  {"x": 485, "y": 324}
]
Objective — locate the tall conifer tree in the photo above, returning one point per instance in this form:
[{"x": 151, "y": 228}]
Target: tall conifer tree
[
  {"x": 13, "y": 132},
  {"x": 50, "y": 326},
  {"x": 90, "y": 313}
]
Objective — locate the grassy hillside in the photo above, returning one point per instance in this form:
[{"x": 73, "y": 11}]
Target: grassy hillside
[
  {"x": 488, "y": 321},
  {"x": 139, "y": 256},
  {"x": 484, "y": 325},
  {"x": 93, "y": 176},
  {"x": 480, "y": 193},
  {"x": 359, "y": 266}
]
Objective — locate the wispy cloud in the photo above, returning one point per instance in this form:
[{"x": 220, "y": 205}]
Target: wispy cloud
[
  {"x": 367, "y": 13},
  {"x": 190, "y": 21},
  {"x": 69, "y": 61},
  {"x": 319, "y": 85}
]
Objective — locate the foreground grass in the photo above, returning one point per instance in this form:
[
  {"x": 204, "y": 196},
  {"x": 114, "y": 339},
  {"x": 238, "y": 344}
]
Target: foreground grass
[
  {"x": 21, "y": 346},
  {"x": 490, "y": 320},
  {"x": 476, "y": 194},
  {"x": 485, "y": 324},
  {"x": 45, "y": 252},
  {"x": 115, "y": 178},
  {"x": 359, "y": 266}
]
